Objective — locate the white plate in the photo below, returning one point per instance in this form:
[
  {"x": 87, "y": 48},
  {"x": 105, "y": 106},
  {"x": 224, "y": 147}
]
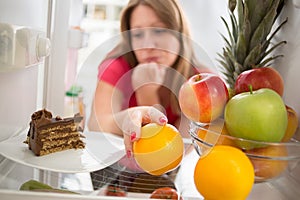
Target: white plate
[{"x": 102, "y": 150}]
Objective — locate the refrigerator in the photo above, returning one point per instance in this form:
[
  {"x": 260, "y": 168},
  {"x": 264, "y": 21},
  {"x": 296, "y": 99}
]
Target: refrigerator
[
  {"x": 37, "y": 48},
  {"x": 36, "y": 40}
]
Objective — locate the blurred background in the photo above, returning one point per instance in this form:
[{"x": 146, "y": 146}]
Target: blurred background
[
  {"x": 77, "y": 27},
  {"x": 80, "y": 32}
]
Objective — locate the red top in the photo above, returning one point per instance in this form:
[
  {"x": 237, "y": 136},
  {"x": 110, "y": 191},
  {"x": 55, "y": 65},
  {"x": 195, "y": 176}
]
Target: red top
[{"x": 117, "y": 72}]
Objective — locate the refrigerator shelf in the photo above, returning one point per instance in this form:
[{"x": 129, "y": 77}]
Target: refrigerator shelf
[{"x": 90, "y": 159}]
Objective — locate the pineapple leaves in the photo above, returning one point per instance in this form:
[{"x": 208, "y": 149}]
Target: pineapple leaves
[
  {"x": 234, "y": 26},
  {"x": 266, "y": 61},
  {"x": 241, "y": 48},
  {"x": 226, "y": 41},
  {"x": 269, "y": 51},
  {"x": 240, "y": 13},
  {"x": 248, "y": 43},
  {"x": 232, "y": 41},
  {"x": 267, "y": 42},
  {"x": 253, "y": 57},
  {"x": 231, "y": 5},
  {"x": 257, "y": 11},
  {"x": 265, "y": 26}
]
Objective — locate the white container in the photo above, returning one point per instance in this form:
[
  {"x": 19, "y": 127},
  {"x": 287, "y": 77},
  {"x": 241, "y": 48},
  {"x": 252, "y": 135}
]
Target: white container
[{"x": 21, "y": 46}]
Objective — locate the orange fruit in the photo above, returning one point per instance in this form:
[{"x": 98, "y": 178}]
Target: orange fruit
[
  {"x": 216, "y": 133},
  {"x": 159, "y": 150},
  {"x": 292, "y": 124},
  {"x": 224, "y": 173},
  {"x": 268, "y": 161}
]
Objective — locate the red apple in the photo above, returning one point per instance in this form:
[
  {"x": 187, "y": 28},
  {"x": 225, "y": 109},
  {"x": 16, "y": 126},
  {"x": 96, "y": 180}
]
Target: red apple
[
  {"x": 265, "y": 77},
  {"x": 165, "y": 193},
  {"x": 203, "y": 97}
]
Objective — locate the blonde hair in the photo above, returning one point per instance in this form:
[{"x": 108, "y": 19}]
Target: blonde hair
[{"x": 172, "y": 16}]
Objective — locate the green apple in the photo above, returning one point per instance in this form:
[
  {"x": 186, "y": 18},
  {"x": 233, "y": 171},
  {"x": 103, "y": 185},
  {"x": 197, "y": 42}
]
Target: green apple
[{"x": 256, "y": 115}]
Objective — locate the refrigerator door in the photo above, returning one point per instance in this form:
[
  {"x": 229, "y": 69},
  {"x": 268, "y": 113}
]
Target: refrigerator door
[
  {"x": 23, "y": 41},
  {"x": 27, "y": 81},
  {"x": 22, "y": 53}
]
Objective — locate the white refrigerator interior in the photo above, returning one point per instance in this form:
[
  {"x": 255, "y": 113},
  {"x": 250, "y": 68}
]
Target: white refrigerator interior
[
  {"x": 19, "y": 72},
  {"x": 29, "y": 83},
  {"x": 29, "y": 80}
]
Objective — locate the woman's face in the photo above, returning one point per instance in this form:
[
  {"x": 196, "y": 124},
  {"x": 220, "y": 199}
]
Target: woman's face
[{"x": 151, "y": 41}]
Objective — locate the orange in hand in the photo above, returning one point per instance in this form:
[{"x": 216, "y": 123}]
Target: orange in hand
[
  {"x": 224, "y": 173},
  {"x": 159, "y": 150}
]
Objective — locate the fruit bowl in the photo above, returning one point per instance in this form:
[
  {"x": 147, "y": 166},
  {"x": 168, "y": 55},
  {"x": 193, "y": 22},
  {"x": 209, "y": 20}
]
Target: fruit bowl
[{"x": 270, "y": 160}]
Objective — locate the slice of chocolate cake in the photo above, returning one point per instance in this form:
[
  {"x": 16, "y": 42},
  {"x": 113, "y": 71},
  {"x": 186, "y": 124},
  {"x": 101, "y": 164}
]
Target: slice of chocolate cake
[{"x": 48, "y": 135}]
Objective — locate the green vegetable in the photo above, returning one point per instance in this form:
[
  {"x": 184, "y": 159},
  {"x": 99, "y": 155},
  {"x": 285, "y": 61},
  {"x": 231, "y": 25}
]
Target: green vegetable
[{"x": 33, "y": 185}]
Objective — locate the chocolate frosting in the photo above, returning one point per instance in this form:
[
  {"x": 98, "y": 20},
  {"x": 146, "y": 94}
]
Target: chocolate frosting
[
  {"x": 41, "y": 117},
  {"x": 44, "y": 117},
  {"x": 43, "y": 120}
]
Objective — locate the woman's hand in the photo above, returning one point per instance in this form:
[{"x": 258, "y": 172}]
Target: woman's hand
[
  {"x": 134, "y": 119},
  {"x": 148, "y": 73},
  {"x": 146, "y": 80}
]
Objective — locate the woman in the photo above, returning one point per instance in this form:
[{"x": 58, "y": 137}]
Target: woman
[{"x": 139, "y": 80}]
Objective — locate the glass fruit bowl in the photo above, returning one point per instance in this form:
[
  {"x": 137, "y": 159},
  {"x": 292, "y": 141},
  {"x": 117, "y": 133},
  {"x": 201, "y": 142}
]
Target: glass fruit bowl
[{"x": 270, "y": 160}]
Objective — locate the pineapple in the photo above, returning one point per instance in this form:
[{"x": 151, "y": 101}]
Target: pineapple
[{"x": 248, "y": 45}]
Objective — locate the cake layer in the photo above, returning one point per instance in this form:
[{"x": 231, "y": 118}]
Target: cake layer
[
  {"x": 57, "y": 129},
  {"x": 48, "y": 135},
  {"x": 67, "y": 143},
  {"x": 78, "y": 145},
  {"x": 54, "y": 136},
  {"x": 66, "y": 138},
  {"x": 59, "y": 142},
  {"x": 56, "y": 123}
]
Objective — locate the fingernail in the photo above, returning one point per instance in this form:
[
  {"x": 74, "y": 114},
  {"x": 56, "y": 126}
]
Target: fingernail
[
  {"x": 133, "y": 136},
  {"x": 128, "y": 153},
  {"x": 163, "y": 120}
]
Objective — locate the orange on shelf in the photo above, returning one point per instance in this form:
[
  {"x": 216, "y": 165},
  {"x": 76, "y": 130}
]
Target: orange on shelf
[{"x": 225, "y": 173}]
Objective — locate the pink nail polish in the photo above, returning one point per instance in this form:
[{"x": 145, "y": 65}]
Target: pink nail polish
[
  {"x": 162, "y": 120},
  {"x": 133, "y": 136},
  {"x": 128, "y": 153}
]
